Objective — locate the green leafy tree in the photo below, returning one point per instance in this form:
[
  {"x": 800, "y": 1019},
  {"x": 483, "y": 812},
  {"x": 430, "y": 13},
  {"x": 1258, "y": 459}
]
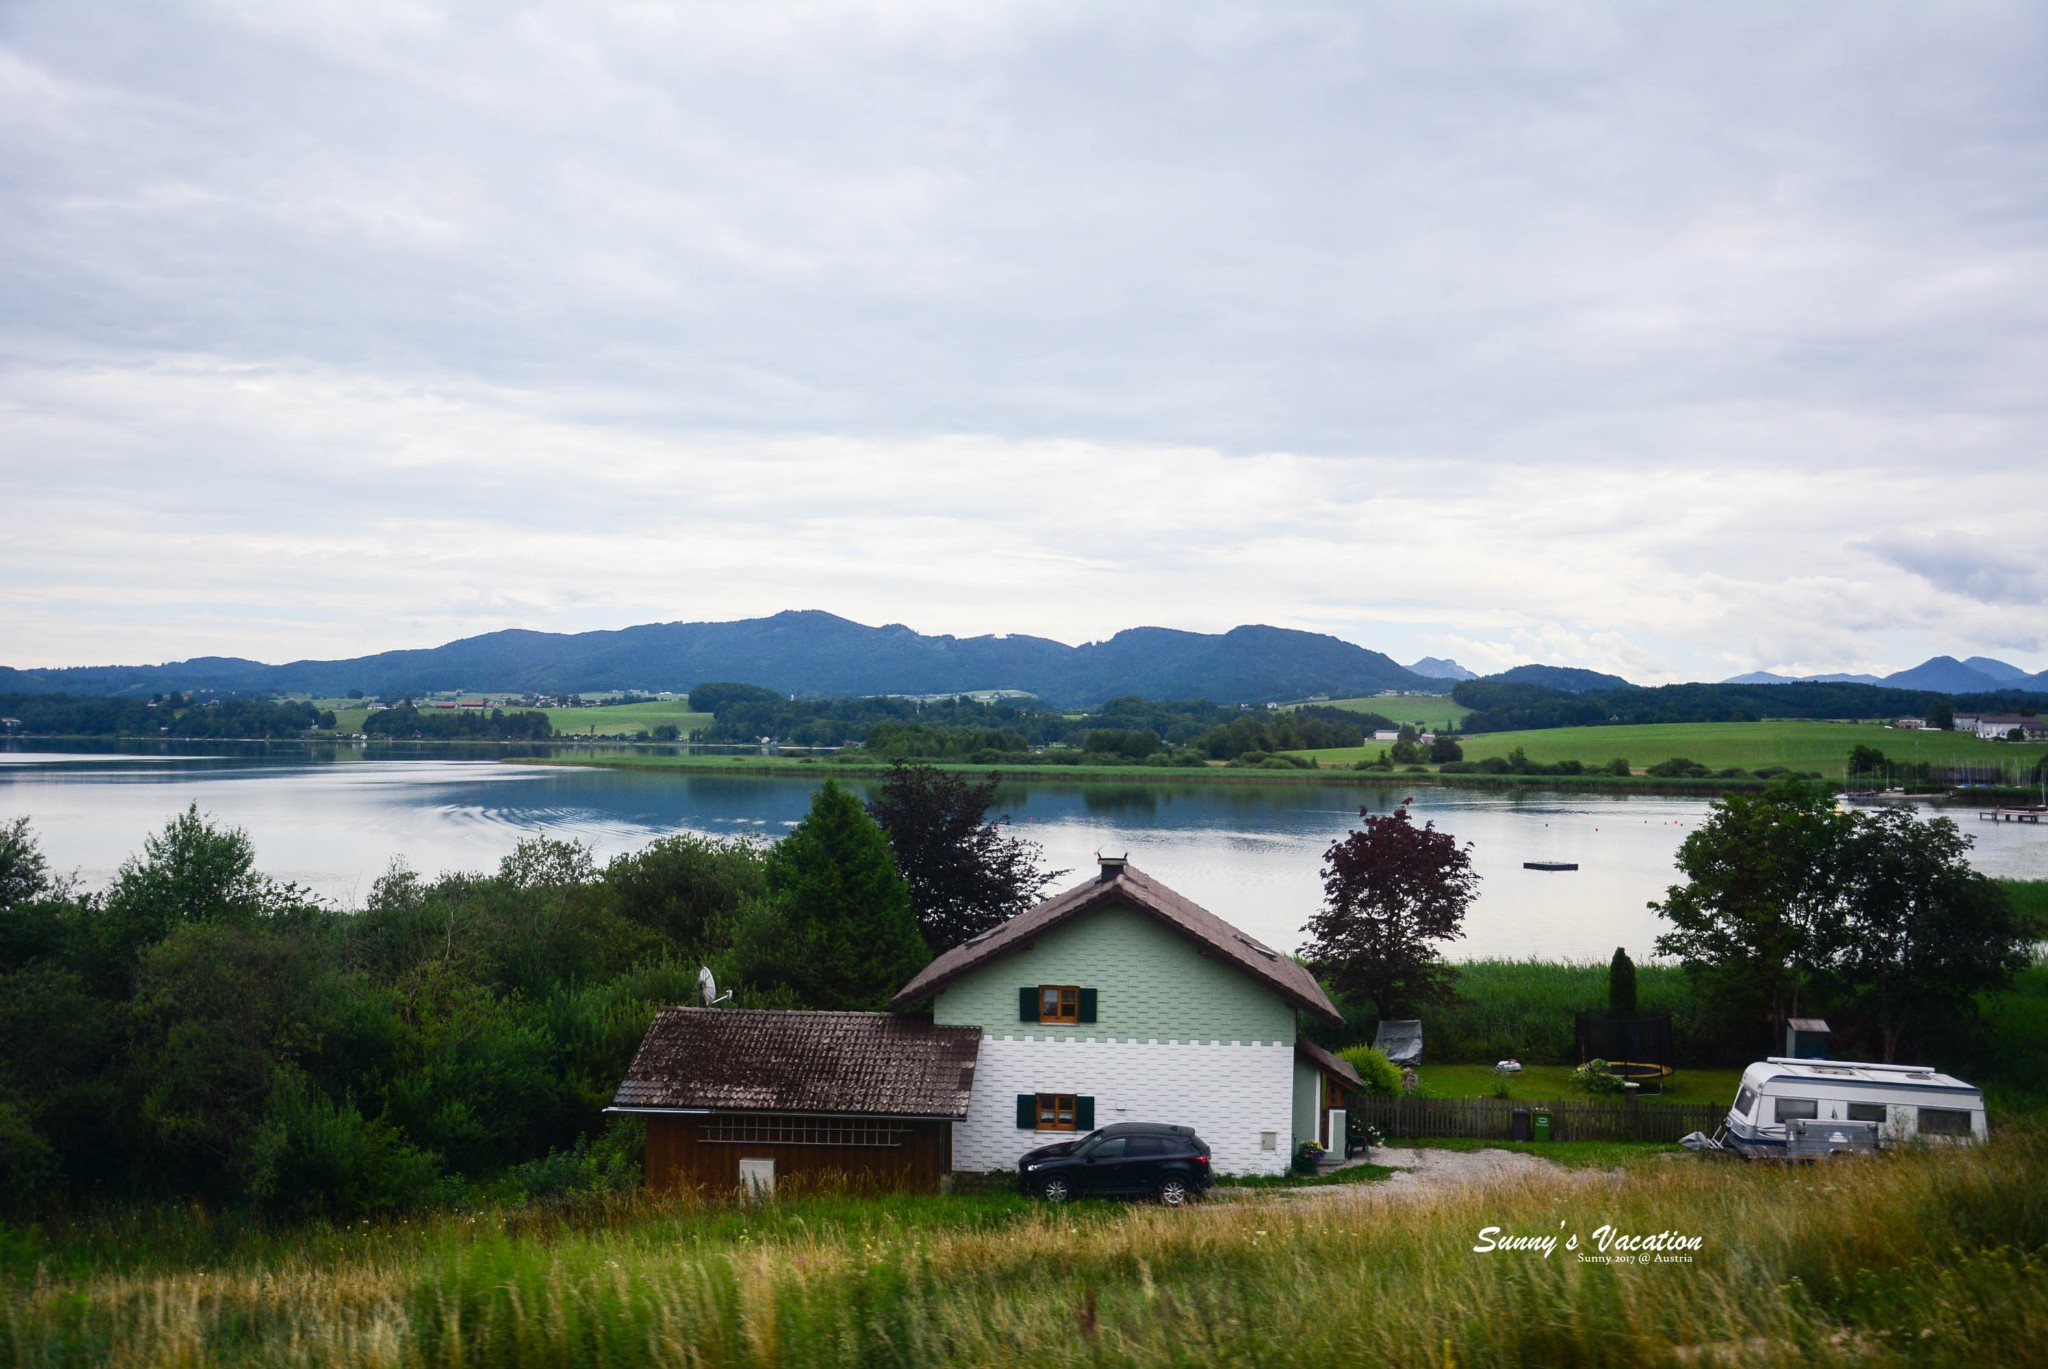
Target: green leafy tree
[
  {"x": 1923, "y": 933},
  {"x": 1393, "y": 894},
  {"x": 1942, "y": 716},
  {"x": 24, "y": 874},
  {"x": 965, "y": 876},
  {"x": 1445, "y": 748},
  {"x": 191, "y": 872},
  {"x": 218, "y": 1009},
  {"x": 1759, "y": 913},
  {"x": 688, "y": 888},
  {"x": 837, "y": 929},
  {"x": 1621, "y": 984}
]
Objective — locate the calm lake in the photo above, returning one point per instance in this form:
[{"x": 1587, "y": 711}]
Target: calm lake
[{"x": 333, "y": 819}]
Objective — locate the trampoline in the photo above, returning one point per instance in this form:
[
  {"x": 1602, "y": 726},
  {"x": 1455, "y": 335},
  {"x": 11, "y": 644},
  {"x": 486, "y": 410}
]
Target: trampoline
[{"x": 1637, "y": 1048}]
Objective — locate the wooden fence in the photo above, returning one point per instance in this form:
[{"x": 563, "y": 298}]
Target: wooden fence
[{"x": 1573, "y": 1119}]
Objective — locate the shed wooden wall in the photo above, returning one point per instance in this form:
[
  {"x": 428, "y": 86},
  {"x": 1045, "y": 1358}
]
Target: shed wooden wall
[{"x": 677, "y": 1157}]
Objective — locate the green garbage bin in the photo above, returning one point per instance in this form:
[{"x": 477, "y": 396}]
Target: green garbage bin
[{"x": 1542, "y": 1120}]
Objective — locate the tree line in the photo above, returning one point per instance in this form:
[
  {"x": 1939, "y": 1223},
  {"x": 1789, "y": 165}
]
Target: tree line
[
  {"x": 172, "y": 715},
  {"x": 1129, "y": 729},
  {"x": 1511, "y": 706}
]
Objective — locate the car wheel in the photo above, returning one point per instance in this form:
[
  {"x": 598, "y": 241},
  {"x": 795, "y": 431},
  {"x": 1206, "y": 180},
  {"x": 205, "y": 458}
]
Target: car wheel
[
  {"x": 1175, "y": 1193},
  {"x": 1054, "y": 1190}
]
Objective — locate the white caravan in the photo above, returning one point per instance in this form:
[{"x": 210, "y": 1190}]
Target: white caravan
[{"x": 1795, "y": 1108}]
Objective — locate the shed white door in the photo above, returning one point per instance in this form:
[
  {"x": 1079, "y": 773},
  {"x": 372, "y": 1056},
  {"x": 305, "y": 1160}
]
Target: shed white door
[{"x": 758, "y": 1177}]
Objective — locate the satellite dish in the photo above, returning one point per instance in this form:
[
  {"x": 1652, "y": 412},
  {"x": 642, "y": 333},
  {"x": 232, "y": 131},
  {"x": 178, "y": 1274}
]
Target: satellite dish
[{"x": 707, "y": 988}]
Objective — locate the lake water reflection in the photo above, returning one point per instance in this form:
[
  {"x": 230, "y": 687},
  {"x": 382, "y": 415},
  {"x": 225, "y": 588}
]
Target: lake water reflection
[{"x": 333, "y": 820}]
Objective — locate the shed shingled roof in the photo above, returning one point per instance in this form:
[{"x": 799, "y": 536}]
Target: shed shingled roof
[
  {"x": 1123, "y": 883},
  {"x": 1329, "y": 1064},
  {"x": 873, "y": 1064}
]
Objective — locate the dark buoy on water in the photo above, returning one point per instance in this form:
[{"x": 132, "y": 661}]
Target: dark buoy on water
[{"x": 1550, "y": 865}]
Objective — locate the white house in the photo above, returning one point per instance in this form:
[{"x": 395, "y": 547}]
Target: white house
[
  {"x": 1996, "y": 727},
  {"x": 1121, "y": 1001}
]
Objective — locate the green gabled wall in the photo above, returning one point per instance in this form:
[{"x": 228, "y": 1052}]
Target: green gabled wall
[{"x": 1151, "y": 983}]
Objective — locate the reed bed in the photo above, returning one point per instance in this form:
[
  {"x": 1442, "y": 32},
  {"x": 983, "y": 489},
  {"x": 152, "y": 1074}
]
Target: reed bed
[{"x": 1934, "y": 1257}]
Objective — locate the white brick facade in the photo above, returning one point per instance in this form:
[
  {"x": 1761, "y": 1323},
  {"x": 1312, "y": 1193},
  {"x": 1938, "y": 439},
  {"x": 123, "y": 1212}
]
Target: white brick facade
[{"x": 1230, "y": 1092}]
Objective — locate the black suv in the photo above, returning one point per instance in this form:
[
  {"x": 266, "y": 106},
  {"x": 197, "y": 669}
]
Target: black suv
[{"x": 1125, "y": 1159}]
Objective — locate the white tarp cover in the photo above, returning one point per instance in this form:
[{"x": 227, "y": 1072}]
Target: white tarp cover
[{"x": 1401, "y": 1040}]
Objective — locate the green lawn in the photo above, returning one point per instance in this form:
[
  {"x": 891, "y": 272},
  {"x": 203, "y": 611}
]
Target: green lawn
[
  {"x": 1797, "y": 745},
  {"x": 1548, "y": 1083},
  {"x": 609, "y": 719},
  {"x": 1424, "y": 710}
]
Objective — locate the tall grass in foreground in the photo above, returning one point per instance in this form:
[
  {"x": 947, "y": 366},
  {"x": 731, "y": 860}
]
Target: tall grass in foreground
[{"x": 1937, "y": 1257}]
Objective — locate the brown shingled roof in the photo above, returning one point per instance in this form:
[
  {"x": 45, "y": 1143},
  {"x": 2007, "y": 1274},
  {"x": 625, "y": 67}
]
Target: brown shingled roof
[
  {"x": 1328, "y": 1063},
  {"x": 1123, "y": 883},
  {"x": 871, "y": 1064}
]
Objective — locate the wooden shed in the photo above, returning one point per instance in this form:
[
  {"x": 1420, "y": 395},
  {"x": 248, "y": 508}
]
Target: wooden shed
[{"x": 738, "y": 1096}]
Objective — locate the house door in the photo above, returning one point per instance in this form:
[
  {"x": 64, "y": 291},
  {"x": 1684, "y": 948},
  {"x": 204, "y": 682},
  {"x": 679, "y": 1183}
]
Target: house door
[{"x": 758, "y": 1177}]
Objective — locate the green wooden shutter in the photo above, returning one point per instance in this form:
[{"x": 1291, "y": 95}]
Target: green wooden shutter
[
  {"x": 1084, "y": 1113},
  {"x": 1027, "y": 1111},
  {"x": 1087, "y": 1005},
  {"x": 1027, "y": 1003}
]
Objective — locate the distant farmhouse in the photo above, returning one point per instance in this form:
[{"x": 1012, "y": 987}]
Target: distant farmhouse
[
  {"x": 1997, "y": 727},
  {"x": 1117, "y": 1001}
]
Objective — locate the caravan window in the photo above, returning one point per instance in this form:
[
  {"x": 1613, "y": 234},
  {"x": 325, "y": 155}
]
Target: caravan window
[
  {"x": 1745, "y": 1101},
  {"x": 1794, "y": 1109},
  {"x": 1866, "y": 1112},
  {"x": 1944, "y": 1122}
]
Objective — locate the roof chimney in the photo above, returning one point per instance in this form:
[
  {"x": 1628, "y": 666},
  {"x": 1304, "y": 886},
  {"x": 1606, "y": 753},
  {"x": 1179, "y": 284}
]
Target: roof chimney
[{"x": 1112, "y": 866}]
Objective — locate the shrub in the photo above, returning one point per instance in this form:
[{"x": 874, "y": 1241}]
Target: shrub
[
  {"x": 311, "y": 1154},
  {"x": 1619, "y": 766},
  {"x": 1381, "y": 1075},
  {"x": 1594, "y": 1077},
  {"x": 1678, "y": 767}
]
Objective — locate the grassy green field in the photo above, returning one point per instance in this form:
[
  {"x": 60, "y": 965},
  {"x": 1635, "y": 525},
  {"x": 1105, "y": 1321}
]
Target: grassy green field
[
  {"x": 612, "y": 719},
  {"x": 1930, "y": 1256},
  {"x": 1797, "y": 745},
  {"x": 1547, "y": 1083},
  {"x": 1424, "y": 710}
]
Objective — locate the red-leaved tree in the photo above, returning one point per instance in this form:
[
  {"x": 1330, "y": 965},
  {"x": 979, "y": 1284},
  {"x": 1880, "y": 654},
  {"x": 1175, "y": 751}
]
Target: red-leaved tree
[{"x": 1393, "y": 894}]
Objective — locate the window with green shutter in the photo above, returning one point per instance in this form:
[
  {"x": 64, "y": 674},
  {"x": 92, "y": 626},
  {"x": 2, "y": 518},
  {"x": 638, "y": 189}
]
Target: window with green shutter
[{"x": 1056, "y": 1111}]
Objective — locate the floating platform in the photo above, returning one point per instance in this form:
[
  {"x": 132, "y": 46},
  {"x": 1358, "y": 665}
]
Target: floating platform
[
  {"x": 2033, "y": 815},
  {"x": 1550, "y": 865}
]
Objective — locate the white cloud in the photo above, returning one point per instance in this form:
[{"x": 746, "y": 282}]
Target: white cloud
[{"x": 1646, "y": 339}]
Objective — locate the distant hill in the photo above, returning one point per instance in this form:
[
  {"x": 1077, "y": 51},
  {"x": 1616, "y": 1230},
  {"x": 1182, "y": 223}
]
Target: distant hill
[
  {"x": 1766, "y": 677},
  {"x": 1570, "y": 679},
  {"x": 1946, "y": 675},
  {"x": 800, "y": 652},
  {"x": 2005, "y": 672},
  {"x": 1441, "y": 668},
  {"x": 1941, "y": 674}
]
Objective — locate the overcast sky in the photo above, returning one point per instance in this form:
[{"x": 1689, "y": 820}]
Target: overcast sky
[{"x": 1673, "y": 340}]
